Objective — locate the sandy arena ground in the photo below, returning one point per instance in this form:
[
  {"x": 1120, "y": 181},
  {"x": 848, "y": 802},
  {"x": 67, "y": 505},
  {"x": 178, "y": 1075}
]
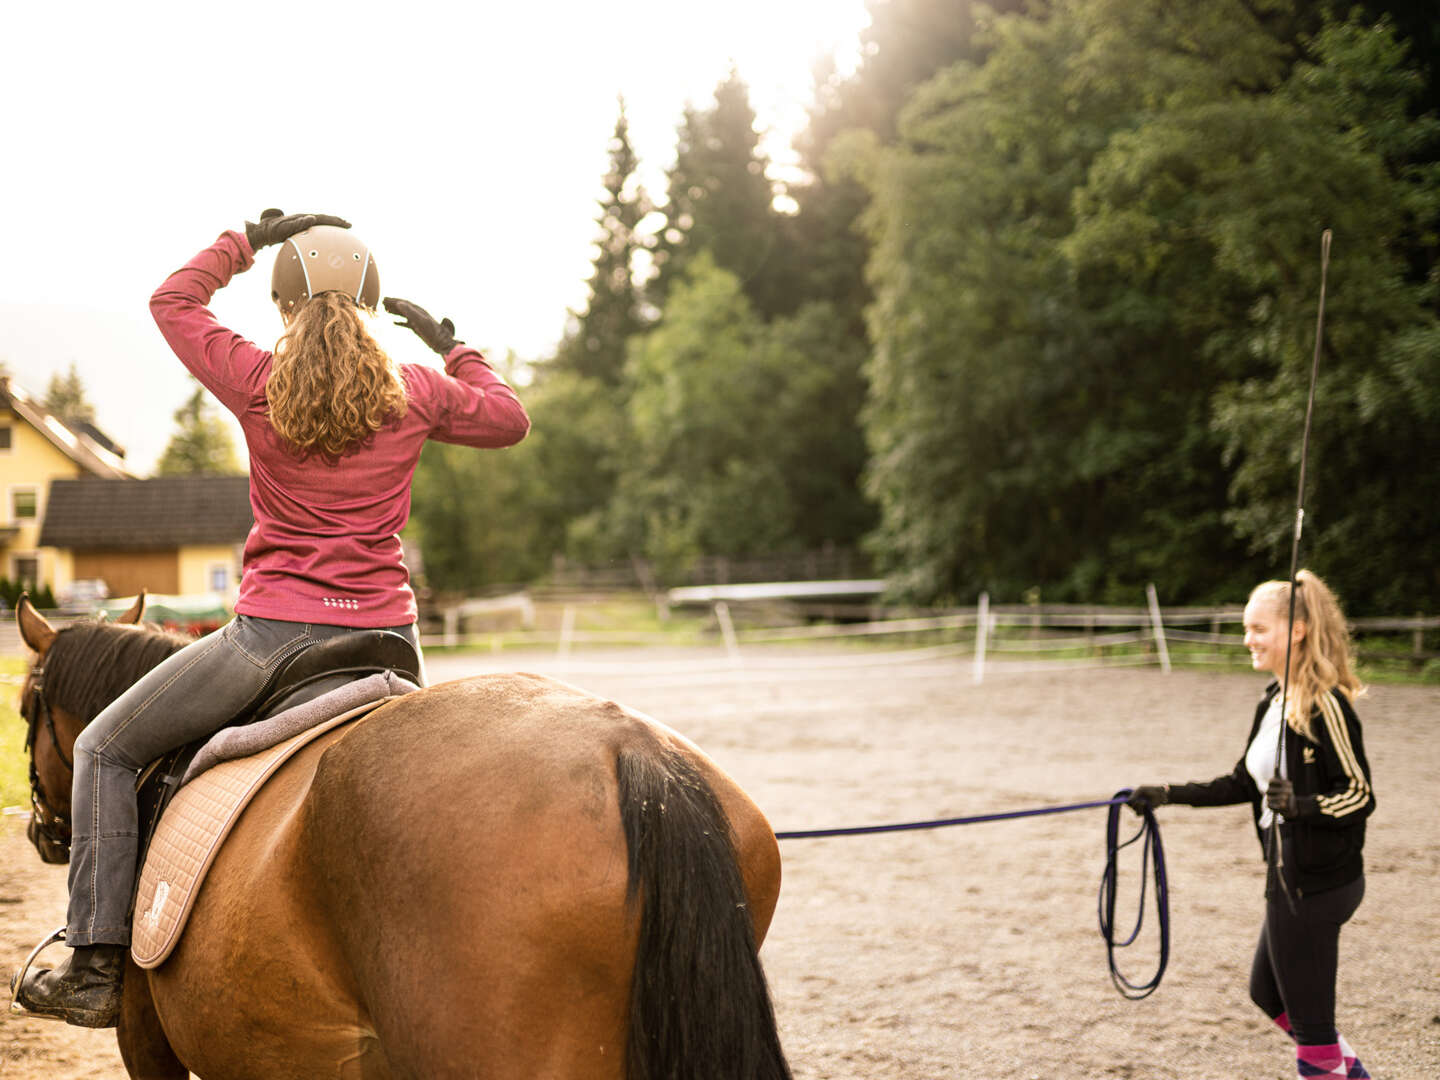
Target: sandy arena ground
[{"x": 973, "y": 951}]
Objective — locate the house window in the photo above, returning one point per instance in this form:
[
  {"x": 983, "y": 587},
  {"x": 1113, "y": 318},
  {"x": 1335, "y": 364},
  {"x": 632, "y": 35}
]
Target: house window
[
  {"x": 219, "y": 577},
  {"x": 4, "y": 437},
  {"x": 27, "y": 570},
  {"x": 23, "y": 503}
]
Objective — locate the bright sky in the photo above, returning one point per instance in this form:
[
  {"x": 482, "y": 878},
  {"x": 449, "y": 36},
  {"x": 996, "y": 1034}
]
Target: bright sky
[{"x": 464, "y": 142}]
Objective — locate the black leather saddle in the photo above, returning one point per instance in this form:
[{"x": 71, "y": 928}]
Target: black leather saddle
[
  {"x": 333, "y": 662},
  {"x": 315, "y": 670}
]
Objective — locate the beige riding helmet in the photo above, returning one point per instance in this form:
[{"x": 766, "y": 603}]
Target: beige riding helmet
[{"x": 325, "y": 258}]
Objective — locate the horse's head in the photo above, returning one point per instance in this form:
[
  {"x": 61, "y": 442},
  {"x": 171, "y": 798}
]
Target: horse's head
[{"x": 51, "y": 734}]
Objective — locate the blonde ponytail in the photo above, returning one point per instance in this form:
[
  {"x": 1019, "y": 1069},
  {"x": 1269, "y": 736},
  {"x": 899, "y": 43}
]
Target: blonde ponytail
[{"x": 1322, "y": 660}]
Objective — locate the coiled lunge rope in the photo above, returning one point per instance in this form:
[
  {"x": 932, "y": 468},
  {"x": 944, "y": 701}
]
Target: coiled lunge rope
[
  {"x": 1153, "y": 852},
  {"x": 1150, "y": 832}
]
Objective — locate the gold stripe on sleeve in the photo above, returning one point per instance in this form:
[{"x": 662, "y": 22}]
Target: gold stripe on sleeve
[{"x": 1357, "y": 794}]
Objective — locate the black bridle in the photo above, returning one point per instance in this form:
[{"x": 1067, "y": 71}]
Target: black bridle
[{"x": 45, "y": 821}]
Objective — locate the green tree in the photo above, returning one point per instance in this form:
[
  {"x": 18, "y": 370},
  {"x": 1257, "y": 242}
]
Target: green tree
[
  {"x": 906, "y": 43},
  {"x": 1119, "y": 235},
  {"x": 65, "y": 397},
  {"x": 485, "y": 518},
  {"x": 472, "y": 517},
  {"x": 697, "y": 474},
  {"x": 737, "y": 440},
  {"x": 814, "y": 363},
  {"x": 595, "y": 345},
  {"x": 720, "y": 200},
  {"x": 579, "y": 429},
  {"x": 1373, "y": 512},
  {"x": 201, "y": 443}
]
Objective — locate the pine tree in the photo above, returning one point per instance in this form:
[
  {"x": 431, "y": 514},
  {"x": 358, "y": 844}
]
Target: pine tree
[
  {"x": 201, "y": 443},
  {"x": 907, "y": 43},
  {"x": 721, "y": 200},
  {"x": 65, "y": 397},
  {"x": 595, "y": 347}
]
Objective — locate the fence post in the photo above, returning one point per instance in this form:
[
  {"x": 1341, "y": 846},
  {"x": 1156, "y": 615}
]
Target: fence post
[
  {"x": 982, "y": 627},
  {"x": 1159, "y": 626},
  {"x": 727, "y": 631},
  {"x": 567, "y": 630}
]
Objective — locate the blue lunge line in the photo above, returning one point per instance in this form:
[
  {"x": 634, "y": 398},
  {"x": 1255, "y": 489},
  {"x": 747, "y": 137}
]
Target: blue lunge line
[
  {"x": 1152, "y": 850},
  {"x": 809, "y": 834}
]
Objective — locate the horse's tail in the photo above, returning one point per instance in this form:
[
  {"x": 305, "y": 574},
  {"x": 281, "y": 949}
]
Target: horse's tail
[{"x": 699, "y": 1005}]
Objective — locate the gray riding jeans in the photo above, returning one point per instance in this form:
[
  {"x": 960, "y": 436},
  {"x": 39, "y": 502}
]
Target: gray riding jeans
[{"x": 192, "y": 694}]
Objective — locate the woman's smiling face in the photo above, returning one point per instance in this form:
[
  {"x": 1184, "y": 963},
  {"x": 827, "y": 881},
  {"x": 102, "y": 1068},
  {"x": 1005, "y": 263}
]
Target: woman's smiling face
[{"x": 1265, "y": 624}]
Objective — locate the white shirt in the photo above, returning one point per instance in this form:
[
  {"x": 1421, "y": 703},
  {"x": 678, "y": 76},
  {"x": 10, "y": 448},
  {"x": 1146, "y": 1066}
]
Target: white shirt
[{"x": 1260, "y": 758}]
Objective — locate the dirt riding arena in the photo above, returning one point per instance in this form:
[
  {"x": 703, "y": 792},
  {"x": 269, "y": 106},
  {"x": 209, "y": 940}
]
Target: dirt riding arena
[{"x": 973, "y": 951}]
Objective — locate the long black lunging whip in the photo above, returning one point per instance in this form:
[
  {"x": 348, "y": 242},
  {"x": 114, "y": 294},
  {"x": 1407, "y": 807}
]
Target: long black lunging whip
[{"x": 1277, "y": 857}]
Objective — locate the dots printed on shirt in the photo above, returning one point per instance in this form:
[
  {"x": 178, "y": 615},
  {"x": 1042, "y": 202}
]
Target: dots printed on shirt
[{"x": 337, "y": 602}]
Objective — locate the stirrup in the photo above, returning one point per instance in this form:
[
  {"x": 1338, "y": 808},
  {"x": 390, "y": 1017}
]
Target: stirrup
[{"x": 19, "y": 977}]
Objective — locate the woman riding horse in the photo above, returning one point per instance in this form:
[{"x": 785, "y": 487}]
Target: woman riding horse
[
  {"x": 501, "y": 876},
  {"x": 334, "y": 429}
]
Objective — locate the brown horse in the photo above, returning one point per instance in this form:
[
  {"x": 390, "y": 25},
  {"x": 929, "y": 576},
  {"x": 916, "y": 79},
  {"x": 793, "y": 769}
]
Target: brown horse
[{"x": 500, "y": 877}]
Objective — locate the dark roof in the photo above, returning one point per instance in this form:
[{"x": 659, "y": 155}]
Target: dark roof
[
  {"x": 135, "y": 515},
  {"x": 83, "y": 444}
]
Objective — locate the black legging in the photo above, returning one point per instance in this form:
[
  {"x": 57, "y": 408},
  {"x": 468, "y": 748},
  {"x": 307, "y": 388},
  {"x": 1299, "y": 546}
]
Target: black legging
[{"x": 1296, "y": 959}]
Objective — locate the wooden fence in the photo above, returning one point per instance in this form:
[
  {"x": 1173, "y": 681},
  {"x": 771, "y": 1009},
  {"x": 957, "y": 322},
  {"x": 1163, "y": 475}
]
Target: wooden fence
[{"x": 1008, "y": 638}]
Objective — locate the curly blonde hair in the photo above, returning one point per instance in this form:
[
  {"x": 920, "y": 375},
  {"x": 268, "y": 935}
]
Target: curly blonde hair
[
  {"x": 1322, "y": 660},
  {"x": 330, "y": 385}
]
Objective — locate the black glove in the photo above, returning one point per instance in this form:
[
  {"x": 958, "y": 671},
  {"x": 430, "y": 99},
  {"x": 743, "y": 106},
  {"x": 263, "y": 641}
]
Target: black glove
[
  {"x": 439, "y": 336},
  {"x": 1147, "y": 798},
  {"x": 275, "y": 227},
  {"x": 1280, "y": 798}
]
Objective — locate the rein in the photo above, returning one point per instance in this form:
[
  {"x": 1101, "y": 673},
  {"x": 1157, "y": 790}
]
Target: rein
[
  {"x": 1153, "y": 855},
  {"x": 49, "y": 823}
]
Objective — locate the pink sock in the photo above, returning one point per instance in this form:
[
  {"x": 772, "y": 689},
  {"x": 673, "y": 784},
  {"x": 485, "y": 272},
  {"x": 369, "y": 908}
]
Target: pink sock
[
  {"x": 1353, "y": 1069},
  {"x": 1320, "y": 1060}
]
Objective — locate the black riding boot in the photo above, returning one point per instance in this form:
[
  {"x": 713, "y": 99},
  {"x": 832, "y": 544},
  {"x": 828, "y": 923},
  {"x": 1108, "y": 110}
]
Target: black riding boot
[{"x": 85, "y": 990}]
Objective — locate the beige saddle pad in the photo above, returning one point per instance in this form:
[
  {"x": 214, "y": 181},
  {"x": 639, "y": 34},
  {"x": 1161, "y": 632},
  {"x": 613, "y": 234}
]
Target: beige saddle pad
[{"x": 190, "y": 833}]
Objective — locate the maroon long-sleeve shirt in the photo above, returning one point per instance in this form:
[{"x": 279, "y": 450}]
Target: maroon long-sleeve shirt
[{"x": 325, "y": 547}]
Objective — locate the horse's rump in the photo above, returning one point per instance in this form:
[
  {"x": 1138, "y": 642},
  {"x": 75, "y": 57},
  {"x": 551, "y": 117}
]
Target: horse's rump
[{"x": 498, "y": 876}]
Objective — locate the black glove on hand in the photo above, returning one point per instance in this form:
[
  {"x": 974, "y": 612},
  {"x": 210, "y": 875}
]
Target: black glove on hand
[
  {"x": 1280, "y": 798},
  {"x": 439, "y": 336},
  {"x": 275, "y": 227},
  {"x": 1147, "y": 798}
]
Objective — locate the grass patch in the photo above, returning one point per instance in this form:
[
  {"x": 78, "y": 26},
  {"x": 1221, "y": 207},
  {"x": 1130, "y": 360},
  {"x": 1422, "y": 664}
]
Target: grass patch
[{"x": 14, "y": 771}]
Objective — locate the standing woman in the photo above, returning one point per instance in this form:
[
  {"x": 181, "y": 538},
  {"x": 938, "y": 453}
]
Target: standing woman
[
  {"x": 334, "y": 429},
  {"x": 1322, "y": 796}
]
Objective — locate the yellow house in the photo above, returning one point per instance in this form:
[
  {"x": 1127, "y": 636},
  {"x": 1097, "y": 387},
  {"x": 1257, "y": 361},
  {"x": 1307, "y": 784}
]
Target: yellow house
[
  {"x": 177, "y": 535},
  {"x": 36, "y": 447}
]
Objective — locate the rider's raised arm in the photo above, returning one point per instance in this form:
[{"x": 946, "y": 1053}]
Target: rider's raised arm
[
  {"x": 231, "y": 367},
  {"x": 474, "y": 406}
]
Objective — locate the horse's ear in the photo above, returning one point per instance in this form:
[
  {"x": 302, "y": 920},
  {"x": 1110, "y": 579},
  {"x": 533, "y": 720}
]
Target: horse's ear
[
  {"x": 34, "y": 630},
  {"x": 133, "y": 615}
]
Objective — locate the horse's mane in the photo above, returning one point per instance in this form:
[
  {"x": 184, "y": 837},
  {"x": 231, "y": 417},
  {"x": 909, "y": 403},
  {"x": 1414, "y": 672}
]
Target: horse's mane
[{"x": 91, "y": 663}]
